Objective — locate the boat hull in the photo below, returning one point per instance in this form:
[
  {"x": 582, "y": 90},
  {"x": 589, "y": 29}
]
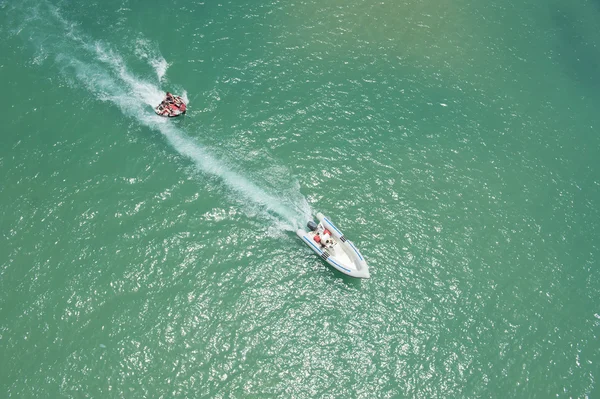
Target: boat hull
[{"x": 342, "y": 255}]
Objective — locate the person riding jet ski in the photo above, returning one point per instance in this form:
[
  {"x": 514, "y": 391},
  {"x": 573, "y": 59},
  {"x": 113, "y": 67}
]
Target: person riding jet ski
[
  {"x": 169, "y": 99},
  {"x": 171, "y": 106}
]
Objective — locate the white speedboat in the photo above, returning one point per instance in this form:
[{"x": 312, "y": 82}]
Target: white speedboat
[{"x": 331, "y": 245}]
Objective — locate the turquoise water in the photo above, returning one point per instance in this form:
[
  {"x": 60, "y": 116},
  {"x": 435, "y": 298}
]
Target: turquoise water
[{"x": 456, "y": 144}]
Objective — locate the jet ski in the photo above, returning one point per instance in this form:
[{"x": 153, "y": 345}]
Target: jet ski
[
  {"x": 171, "y": 106},
  {"x": 334, "y": 248}
]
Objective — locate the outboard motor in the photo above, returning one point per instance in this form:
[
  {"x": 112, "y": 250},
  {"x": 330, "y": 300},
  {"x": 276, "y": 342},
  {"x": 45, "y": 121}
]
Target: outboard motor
[{"x": 312, "y": 226}]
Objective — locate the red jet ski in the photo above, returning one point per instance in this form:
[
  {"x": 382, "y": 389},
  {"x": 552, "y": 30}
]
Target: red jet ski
[{"x": 171, "y": 106}]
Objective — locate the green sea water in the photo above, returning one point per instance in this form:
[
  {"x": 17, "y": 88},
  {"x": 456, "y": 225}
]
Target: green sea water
[{"x": 456, "y": 143}]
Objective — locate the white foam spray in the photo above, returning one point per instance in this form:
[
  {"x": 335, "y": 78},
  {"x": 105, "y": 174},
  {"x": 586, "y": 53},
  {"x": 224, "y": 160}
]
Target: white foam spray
[
  {"x": 105, "y": 74},
  {"x": 148, "y": 51}
]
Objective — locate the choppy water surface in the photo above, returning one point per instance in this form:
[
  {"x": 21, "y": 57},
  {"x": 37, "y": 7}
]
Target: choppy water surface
[{"x": 456, "y": 144}]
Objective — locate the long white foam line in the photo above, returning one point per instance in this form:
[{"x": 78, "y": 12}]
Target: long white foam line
[
  {"x": 106, "y": 87},
  {"x": 106, "y": 76},
  {"x": 131, "y": 98},
  {"x": 209, "y": 164},
  {"x": 205, "y": 161}
]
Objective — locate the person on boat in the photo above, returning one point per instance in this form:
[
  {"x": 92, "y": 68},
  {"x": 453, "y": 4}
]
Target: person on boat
[
  {"x": 324, "y": 240},
  {"x": 328, "y": 238},
  {"x": 169, "y": 98}
]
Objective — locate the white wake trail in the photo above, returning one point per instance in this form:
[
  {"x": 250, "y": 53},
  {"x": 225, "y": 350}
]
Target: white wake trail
[
  {"x": 148, "y": 51},
  {"x": 104, "y": 73}
]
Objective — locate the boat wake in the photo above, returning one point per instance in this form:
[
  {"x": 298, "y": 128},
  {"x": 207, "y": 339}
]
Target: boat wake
[
  {"x": 148, "y": 51},
  {"x": 104, "y": 73}
]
